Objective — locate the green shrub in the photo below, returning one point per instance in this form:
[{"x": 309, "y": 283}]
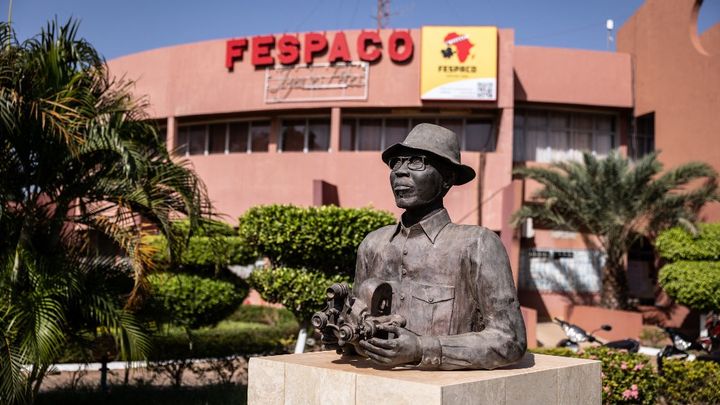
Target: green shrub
[
  {"x": 266, "y": 330},
  {"x": 203, "y": 252},
  {"x": 207, "y": 227},
  {"x": 627, "y": 378},
  {"x": 694, "y": 277},
  {"x": 677, "y": 244},
  {"x": 690, "y": 382},
  {"x": 299, "y": 290},
  {"x": 262, "y": 314},
  {"x": 323, "y": 238},
  {"x": 554, "y": 351},
  {"x": 192, "y": 301},
  {"x": 695, "y": 284},
  {"x": 227, "y": 339}
]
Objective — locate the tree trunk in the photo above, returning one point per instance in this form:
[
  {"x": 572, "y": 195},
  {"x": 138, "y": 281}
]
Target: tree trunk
[{"x": 614, "y": 285}]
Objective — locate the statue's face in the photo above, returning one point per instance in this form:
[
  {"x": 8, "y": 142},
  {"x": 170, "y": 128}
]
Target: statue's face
[{"x": 414, "y": 187}]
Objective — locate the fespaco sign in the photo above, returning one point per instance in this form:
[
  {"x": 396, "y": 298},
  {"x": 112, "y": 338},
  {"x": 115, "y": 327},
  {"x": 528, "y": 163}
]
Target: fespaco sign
[
  {"x": 293, "y": 75},
  {"x": 267, "y": 50}
]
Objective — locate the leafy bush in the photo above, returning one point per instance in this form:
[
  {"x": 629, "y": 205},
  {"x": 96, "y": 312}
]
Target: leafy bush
[
  {"x": 192, "y": 301},
  {"x": 627, "y": 378},
  {"x": 690, "y": 382},
  {"x": 323, "y": 238},
  {"x": 262, "y": 314},
  {"x": 226, "y": 339},
  {"x": 694, "y": 278},
  {"x": 206, "y": 227},
  {"x": 265, "y": 330},
  {"x": 695, "y": 284},
  {"x": 554, "y": 351},
  {"x": 299, "y": 290},
  {"x": 677, "y": 244},
  {"x": 203, "y": 252}
]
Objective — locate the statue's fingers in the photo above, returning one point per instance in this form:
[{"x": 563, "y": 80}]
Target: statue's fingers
[
  {"x": 378, "y": 358},
  {"x": 384, "y": 343},
  {"x": 371, "y": 348}
]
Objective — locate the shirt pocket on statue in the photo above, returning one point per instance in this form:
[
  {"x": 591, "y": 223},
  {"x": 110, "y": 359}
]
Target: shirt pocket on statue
[{"x": 432, "y": 309}]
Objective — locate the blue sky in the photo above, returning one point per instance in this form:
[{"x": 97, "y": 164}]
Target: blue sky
[{"x": 118, "y": 28}]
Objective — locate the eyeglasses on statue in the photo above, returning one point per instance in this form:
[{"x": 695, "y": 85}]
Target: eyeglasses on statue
[{"x": 416, "y": 163}]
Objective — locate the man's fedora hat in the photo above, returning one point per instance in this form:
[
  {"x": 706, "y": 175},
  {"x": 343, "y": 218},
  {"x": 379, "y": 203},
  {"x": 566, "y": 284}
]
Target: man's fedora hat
[{"x": 436, "y": 141}]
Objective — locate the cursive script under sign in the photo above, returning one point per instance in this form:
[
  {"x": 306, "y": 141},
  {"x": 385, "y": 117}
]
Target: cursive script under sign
[{"x": 318, "y": 82}]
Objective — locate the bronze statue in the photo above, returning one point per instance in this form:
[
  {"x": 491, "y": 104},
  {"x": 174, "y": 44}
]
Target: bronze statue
[{"x": 428, "y": 292}]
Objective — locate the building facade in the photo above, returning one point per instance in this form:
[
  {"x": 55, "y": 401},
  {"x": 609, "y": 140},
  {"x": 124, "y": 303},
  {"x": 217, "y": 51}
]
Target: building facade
[{"x": 302, "y": 118}]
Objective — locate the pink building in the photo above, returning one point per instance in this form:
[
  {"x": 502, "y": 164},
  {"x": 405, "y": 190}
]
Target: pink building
[{"x": 302, "y": 118}]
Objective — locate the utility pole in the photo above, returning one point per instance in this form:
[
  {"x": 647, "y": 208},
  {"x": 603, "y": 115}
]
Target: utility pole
[
  {"x": 10, "y": 13},
  {"x": 383, "y": 14}
]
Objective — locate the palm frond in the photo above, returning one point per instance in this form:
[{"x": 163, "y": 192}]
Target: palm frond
[
  {"x": 617, "y": 200},
  {"x": 78, "y": 163}
]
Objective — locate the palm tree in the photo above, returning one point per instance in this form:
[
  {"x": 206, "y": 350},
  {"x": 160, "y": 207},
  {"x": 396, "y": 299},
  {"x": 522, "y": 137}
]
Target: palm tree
[
  {"x": 80, "y": 162},
  {"x": 619, "y": 202}
]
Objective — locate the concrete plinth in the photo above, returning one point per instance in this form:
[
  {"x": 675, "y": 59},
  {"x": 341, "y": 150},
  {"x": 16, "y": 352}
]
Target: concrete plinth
[{"x": 325, "y": 378}]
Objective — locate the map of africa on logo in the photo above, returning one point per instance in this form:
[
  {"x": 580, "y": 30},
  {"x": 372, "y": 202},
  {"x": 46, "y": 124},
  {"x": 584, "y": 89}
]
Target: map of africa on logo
[{"x": 461, "y": 43}]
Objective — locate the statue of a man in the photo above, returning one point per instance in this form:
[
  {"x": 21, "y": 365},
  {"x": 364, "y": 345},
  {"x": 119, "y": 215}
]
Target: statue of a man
[{"x": 452, "y": 283}]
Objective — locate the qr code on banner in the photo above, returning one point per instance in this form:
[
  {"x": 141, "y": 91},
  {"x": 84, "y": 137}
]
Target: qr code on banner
[{"x": 485, "y": 90}]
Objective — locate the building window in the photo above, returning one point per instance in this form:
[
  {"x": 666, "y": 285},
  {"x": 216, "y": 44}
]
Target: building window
[
  {"x": 305, "y": 135},
  {"x": 546, "y": 136},
  {"x": 372, "y": 134},
  {"x": 224, "y": 137},
  {"x": 561, "y": 271},
  {"x": 643, "y": 136}
]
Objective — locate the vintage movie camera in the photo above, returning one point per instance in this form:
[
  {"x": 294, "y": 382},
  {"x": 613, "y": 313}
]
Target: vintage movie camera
[{"x": 348, "y": 319}]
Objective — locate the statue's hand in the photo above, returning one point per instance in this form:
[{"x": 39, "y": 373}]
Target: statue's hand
[{"x": 404, "y": 348}]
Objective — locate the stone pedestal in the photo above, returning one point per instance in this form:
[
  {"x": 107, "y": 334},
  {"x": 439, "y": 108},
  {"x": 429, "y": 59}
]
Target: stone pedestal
[{"x": 325, "y": 378}]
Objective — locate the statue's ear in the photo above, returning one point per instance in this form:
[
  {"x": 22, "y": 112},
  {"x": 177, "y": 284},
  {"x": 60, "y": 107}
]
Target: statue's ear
[{"x": 449, "y": 180}]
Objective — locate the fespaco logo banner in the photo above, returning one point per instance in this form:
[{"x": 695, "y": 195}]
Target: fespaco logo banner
[{"x": 459, "y": 63}]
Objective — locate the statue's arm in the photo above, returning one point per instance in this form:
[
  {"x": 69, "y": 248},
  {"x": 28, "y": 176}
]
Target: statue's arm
[{"x": 503, "y": 340}]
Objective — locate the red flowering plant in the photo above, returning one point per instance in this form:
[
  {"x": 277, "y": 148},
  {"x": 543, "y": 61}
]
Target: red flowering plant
[{"x": 627, "y": 378}]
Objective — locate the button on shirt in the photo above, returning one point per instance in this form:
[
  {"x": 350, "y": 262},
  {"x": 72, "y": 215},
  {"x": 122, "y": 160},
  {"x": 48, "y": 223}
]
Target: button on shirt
[{"x": 453, "y": 285}]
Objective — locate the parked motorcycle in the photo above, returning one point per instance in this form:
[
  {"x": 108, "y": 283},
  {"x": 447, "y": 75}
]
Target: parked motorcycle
[
  {"x": 682, "y": 344},
  {"x": 576, "y": 335},
  {"x": 711, "y": 342}
]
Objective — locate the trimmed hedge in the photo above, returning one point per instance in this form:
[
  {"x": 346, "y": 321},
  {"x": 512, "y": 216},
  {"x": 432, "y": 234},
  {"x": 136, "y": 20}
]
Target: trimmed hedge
[
  {"x": 627, "y": 378},
  {"x": 682, "y": 382},
  {"x": 690, "y": 382},
  {"x": 677, "y": 244},
  {"x": 693, "y": 283},
  {"x": 227, "y": 339},
  {"x": 203, "y": 252},
  {"x": 208, "y": 227},
  {"x": 262, "y": 314},
  {"x": 323, "y": 238},
  {"x": 694, "y": 277},
  {"x": 267, "y": 331},
  {"x": 301, "y": 291},
  {"x": 192, "y": 301}
]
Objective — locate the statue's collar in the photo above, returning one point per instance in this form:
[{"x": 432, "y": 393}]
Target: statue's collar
[{"x": 431, "y": 226}]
